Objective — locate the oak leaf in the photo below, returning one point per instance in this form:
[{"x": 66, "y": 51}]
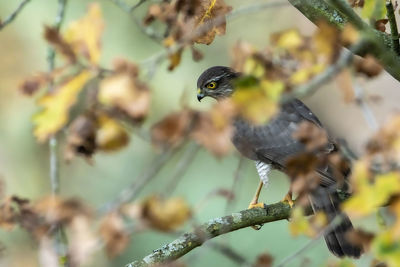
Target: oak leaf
[
  {"x": 123, "y": 91},
  {"x": 110, "y": 135},
  {"x": 210, "y": 20},
  {"x": 114, "y": 234},
  {"x": 56, "y": 106},
  {"x": 84, "y": 35}
]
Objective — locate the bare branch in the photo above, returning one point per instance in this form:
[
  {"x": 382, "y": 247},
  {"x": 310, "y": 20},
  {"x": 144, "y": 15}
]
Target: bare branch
[
  {"x": 60, "y": 238},
  {"x": 132, "y": 190},
  {"x": 181, "y": 167},
  {"x": 236, "y": 177},
  {"x": 393, "y": 27},
  {"x": 14, "y": 14}
]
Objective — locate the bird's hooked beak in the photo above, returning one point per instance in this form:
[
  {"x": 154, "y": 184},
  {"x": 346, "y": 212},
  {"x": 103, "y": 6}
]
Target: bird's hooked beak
[{"x": 200, "y": 94}]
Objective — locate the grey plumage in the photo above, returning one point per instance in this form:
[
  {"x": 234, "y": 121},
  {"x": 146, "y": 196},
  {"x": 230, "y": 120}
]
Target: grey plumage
[{"x": 273, "y": 144}]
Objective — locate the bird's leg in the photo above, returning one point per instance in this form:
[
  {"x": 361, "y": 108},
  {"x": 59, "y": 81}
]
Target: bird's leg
[
  {"x": 254, "y": 202},
  {"x": 263, "y": 170},
  {"x": 288, "y": 198}
]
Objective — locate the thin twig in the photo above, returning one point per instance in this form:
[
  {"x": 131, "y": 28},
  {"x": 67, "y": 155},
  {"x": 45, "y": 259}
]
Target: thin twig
[
  {"x": 60, "y": 238},
  {"x": 148, "y": 31},
  {"x": 139, "y": 3},
  {"x": 229, "y": 253},
  {"x": 236, "y": 177},
  {"x": 328, "y": 228},
  {"x": 57, "y": 24},
  {"x": 365, "y": 108},
  {"x": 393, "y": 27},
  {"x": 14, "y": 14},
  {"x": 182, "y": 167},
  {"x": 132, "y": 190}
]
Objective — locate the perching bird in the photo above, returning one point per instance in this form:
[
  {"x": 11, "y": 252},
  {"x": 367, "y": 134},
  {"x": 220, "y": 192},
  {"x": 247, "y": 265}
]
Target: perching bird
[{"x": 272, "y": 144}]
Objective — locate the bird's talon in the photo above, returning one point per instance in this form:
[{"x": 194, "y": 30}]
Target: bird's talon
[
  {"x": 288, "y": 199},
  {"x": 257, "y": 227},
  {"x": 256, "y": 205}
]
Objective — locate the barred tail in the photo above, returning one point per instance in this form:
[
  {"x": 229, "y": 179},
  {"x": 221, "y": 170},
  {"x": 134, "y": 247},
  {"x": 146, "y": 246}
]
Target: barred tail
[{"x": 335, "y": 236}]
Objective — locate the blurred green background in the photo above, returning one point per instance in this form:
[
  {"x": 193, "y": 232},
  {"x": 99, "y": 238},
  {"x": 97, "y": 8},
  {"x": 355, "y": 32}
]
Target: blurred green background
[{"x": 24, "y": 162}]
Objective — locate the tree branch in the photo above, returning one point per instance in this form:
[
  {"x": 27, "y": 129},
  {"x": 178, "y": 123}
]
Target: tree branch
[
  {"x": 393, "y": 27},
  {"x": 14, "y": 14},
  {"x": 213, "y": 228}
]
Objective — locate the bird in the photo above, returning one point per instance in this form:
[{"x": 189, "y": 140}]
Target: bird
[{"x": 270, "y": 146}]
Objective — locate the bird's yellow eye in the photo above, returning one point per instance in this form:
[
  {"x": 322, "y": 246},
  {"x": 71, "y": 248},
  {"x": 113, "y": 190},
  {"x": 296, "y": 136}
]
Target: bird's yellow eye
[{"x": 211, "y": 85}]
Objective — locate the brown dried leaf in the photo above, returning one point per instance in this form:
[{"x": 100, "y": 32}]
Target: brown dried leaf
[
  {"x": 386, "y": 141},
  {"x": 60, "y": 45},
  {"x": 368, "y": 66},
  {"x": 356, "y": 3},
  {"x": 32, "y": 84},
  {"x": 56, "y": 210},
  {"x": 172, "y": 129},
  {"x": 213, "y": 129},
  {"x": 123, "y": 91},
  {"x": 165, "y": 215},
  {"x": 380, "y": 24},
  {"x": 114, "y": 234},
  {"x": 210, "y": 15},
  {"x": 301, "y": 170},
  {"x": 312, "y": 136},
  {"x": 81, "y": 140},
  {"x": 197, "y": 55},
  {"x": 82, "y": 241},
  {"x": 344, "y": 82},
  {"x": 264, "y": 260},
  {"x": 8, "y": 215},
  {"x": 360, "y": 238},
  {"x": 241, "y": 51}
]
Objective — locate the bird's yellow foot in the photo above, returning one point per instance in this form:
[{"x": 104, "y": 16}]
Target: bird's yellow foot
[
  {"x": 253, "y": 205},
  {"x": 288, "y": 199},
  {"x": 256, "y": 205}
]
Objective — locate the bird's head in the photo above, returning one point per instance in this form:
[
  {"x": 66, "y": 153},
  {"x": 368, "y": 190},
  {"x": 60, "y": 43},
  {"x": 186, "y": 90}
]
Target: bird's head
[{"x": 216, "y": 82}]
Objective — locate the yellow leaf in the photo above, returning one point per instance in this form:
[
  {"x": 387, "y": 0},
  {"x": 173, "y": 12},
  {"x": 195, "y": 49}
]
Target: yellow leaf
[
  {"x": 305, "y": 74},
  {"x": 56, "y": 106},
  {"x": 110, "y": 135},
  {"x": 253, "y": 67},
  {"x": 386, "y": 247},
  {"x": 299, "y": 224},
  {"x": 84, "y": 35},
  {"x": 326, "y": 40},
  {"x": 258, "y": 103},
  {"x": 290, "y": 39},
  {"x": 369, "y": 196}
]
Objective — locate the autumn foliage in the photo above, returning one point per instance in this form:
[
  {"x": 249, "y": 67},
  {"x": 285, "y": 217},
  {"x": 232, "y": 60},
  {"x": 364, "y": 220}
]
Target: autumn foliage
[{"x": 90, "y": 109}]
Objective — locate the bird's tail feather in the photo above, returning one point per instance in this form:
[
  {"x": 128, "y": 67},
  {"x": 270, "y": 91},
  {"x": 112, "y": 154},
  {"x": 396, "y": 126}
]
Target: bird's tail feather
[{"x": 335, "y": 235}]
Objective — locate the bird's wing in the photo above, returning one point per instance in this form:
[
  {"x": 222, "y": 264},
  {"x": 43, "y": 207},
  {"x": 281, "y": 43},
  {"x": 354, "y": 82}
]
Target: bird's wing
[{"x": 273, "y": 143}]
